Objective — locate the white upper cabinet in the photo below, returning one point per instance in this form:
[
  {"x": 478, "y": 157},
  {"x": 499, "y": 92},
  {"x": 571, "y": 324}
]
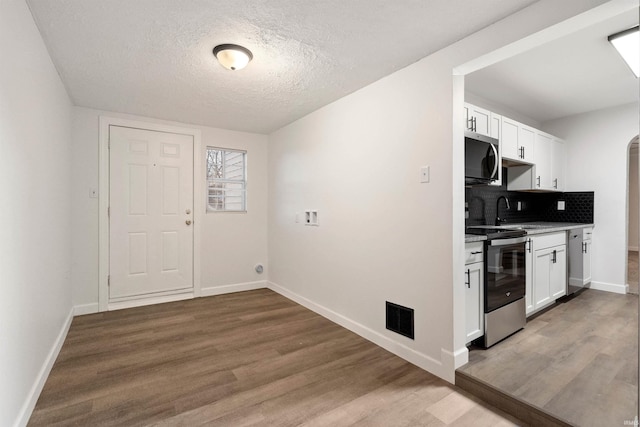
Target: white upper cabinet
[
  {"x": 517, "y": 141},
  {"x": 543, "y": 149},
  {"x": 547, "y": 172},
  {"x": 557, "y": 164},
  {"x": 509, "y": 141},
  {"x": 549, "y": 163},
  {"x": 478, "y": 119},
  {"x": 496, "y": 126},
  {"x": 526, "y": 141}
]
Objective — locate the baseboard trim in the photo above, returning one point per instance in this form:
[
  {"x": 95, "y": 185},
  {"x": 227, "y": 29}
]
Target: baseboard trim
[
  {"x": 228, "y": 289},
  {"x": 41, "y": 379},
  {"x": 608, "y": 287},
  {"x": 456, "y": 359},
  {"x": 82, "y": 309},
  {"x": 439, "y": 368}
]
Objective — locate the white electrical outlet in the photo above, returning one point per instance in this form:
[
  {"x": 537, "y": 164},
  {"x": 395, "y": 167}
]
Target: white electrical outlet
[
  {"x": 519, "y": 206},
  {"x": 311, "y": 217},
  {"x": 560, "y": 205}
]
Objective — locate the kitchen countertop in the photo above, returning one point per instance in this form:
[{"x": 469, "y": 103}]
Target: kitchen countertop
[{"x": 532, "y": 228}]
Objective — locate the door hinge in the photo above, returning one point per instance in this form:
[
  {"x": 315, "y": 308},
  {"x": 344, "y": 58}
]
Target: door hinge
[{"x": 108, "y": 280}]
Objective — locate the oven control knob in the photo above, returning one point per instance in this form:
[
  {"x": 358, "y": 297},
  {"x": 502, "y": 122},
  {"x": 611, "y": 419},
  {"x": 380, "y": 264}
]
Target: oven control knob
[{"x": 508, "y": 294}]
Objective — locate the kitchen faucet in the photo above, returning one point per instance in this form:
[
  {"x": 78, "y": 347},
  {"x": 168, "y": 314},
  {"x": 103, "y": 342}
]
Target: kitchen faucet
[{"x": 498, "y": 219}]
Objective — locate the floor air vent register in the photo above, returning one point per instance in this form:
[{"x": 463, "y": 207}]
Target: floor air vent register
[{"x": 400, "y": 319}]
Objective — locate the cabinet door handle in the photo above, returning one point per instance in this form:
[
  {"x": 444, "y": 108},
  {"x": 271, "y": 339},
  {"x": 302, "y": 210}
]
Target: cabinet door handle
[
  {"x": 555, "y": 183},
  {"x": 468, "y": 282},
  {"x": 470, "y": 124},
  {"x": 529, "y": 245},
  {"x": 476, "y": 253},
  {"x": 538, "y": 179},
  {"x": 584, "y": 247},
  {"x": 475, "y": 124},
  {"x": 554, "y": 259}
]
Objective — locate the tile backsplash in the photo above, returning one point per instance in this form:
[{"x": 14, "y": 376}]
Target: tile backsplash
[{"x": 481, "y": 202}]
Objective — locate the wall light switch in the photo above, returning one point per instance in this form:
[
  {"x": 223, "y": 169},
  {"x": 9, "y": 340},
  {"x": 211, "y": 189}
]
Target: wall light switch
[
  {"x": 424, "y": 174},
  {"x": 560, "y": 205}
]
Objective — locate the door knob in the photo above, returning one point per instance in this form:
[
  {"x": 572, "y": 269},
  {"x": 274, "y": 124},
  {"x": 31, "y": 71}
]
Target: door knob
[{"x": 188, "y": 222}]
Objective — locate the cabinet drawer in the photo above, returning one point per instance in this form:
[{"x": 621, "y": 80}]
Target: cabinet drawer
[
  {"x": 473, "y": 252},
  {"x": 541, "y": 241}
]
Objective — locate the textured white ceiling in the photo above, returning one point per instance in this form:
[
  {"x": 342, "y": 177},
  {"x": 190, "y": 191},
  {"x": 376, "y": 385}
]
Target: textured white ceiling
[
  {"x": 578, "y": 73},
  {"x": 153, "y": 57}
]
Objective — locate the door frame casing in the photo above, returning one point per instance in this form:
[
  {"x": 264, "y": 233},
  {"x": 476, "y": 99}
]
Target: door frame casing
[{"x": 103, "y": 199}]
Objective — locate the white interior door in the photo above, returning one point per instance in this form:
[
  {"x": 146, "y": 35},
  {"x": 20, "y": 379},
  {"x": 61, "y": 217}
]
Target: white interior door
[{"x": 151, "y": 212}]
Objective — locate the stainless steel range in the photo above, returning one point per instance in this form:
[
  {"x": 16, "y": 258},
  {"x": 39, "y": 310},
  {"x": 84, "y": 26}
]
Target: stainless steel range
[{"x": 504, "y": 283}]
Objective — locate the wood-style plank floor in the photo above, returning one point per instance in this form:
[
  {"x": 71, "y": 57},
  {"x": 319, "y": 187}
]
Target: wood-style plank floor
[
  {"x": 632, "y": 271},
  {"x": 250, "y": 358},
  {"x": 577, "y": 361}
]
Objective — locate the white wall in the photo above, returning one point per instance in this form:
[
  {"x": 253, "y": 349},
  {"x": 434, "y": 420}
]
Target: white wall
[
  {"x": 382, "y": 234},
  {"x": 634, "y": 203},
  {"x": 35, "y": 137},
  {"x": 596, "y": 148},
  {"x": 243, "y": 236}
]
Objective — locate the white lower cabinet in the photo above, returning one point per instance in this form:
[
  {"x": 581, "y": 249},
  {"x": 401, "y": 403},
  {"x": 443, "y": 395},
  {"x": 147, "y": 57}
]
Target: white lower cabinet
[
  {"x": 474, "y": 291},
  {"x": 546, "y": 270}
]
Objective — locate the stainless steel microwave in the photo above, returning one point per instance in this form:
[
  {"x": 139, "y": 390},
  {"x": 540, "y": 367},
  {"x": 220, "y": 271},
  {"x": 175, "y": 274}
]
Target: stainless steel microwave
[{"x": 481, "y": 159}]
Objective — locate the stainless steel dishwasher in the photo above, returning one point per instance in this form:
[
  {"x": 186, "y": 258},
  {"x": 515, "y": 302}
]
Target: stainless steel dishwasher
[{"x": 577, "y": 250}]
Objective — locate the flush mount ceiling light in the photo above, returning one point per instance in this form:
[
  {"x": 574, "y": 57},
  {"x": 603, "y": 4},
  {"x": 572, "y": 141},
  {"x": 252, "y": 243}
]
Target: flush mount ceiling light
[
  {"x": 232, "y": 57},
  {"x": 627, "y": 43}
]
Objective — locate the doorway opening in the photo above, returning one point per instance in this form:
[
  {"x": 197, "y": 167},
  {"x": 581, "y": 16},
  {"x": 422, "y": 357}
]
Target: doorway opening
[{"x": 633, "y": 220}]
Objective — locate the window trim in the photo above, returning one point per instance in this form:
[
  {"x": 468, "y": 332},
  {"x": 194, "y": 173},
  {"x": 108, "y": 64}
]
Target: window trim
[{"x": 208, "y": 210}]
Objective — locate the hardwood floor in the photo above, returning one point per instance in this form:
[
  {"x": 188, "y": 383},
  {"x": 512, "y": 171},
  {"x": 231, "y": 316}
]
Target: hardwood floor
[
  {"x": 577, "y": 361},
  {"x": 632, "y": 271},
  {"x": 251, "y": 358}
]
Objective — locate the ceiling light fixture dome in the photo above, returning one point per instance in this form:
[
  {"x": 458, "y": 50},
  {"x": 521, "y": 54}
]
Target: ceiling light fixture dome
[{"x": 232, "y": 56}]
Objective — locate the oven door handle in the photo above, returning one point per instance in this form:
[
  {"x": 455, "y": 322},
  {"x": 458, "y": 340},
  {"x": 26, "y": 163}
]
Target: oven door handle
[{"x": 505, "y": 242}]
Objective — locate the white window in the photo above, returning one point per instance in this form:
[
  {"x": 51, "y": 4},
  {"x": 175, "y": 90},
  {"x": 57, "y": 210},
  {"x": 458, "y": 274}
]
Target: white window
[{"x": 226, "y": 180}]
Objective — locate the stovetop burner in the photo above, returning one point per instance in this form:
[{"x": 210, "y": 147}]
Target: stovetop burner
[{"x": 495, "y": 232}]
